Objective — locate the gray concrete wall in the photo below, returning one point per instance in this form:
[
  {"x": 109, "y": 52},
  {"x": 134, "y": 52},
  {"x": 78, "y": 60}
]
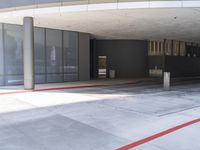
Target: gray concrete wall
[
  {"x": 127, "y": 57},
  {"x": 84, "y": 56},
  {"x": 178, "y": 66},
  {"x": 19, "y": 3},
  {"x": 182, "y": 66},
  {"x": 156, "y": 61}
]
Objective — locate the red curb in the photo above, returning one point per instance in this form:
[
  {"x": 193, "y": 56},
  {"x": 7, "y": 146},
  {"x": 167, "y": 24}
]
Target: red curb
[
  {"x": 158, "y": 135},
  {"x": 52, "y": 89},
  {"x": 64, "y": 88}
]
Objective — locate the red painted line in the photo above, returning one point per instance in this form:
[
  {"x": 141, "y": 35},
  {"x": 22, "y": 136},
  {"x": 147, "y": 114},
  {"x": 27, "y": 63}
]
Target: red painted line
[
  {"x": 15, "y": 92},
  {"x": 63, "y": 88},
  {"x": 71, "y": 87},
  {"x": 158, "y": 135},
  {"x": 52, "y": 89}
]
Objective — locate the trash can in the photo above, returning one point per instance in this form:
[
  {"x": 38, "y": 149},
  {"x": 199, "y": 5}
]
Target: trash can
[{"x": 112, "y": 74}]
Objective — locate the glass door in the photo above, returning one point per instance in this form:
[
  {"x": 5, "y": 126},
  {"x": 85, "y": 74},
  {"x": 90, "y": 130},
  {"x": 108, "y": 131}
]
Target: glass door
[{"x": 102, "y": 66}]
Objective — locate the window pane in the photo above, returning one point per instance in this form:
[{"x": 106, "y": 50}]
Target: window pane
[
  {"x": 1, "y": 56},
  {"x": 70, "y": 56},
  {"x": 39, "y": 39},
  {"x": 54, "y": 55},
  {"x": 70, "y": 77},
  {"x": 13, "y": 35}
]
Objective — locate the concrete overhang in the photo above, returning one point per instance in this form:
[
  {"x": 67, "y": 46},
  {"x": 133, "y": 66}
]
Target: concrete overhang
[{"x": 114, "y": 19}]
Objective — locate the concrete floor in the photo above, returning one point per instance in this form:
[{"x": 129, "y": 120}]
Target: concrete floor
[{"x": 99, "y": 118}]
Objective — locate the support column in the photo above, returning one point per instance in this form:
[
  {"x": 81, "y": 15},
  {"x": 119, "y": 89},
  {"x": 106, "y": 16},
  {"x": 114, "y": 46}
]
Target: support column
[
  {"x": 84, "y": 57},
  {"x": 28, "y": 49}
]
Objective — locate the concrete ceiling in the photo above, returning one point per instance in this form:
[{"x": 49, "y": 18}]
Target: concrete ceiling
[{"x": 155, "y": 24}]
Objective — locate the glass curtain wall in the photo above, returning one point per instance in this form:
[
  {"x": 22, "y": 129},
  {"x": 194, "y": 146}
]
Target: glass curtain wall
[{"x": 56, "y": 55}]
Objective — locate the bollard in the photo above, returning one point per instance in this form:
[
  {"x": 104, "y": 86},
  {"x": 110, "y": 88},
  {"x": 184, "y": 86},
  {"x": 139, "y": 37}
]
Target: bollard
[
  {"x": 112, "y": 74},
  {"x": 166, "y": 82}
]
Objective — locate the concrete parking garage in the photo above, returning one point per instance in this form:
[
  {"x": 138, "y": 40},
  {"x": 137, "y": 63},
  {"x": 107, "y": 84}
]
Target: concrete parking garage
[{"x": 89, "y": 74}]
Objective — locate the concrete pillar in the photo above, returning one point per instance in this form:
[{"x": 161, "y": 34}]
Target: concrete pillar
[
  {"x": 166, "y": 82},
  {"x": 28, "y": 49},
  {"x": 84, "y": 56}
]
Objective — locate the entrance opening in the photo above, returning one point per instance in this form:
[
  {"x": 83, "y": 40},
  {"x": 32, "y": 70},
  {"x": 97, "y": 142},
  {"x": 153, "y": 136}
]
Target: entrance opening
[{"x": 102, "y": 67}]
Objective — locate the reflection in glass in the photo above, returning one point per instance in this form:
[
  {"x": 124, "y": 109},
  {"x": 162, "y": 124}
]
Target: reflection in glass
[
  {"x": 70, "y": 56},
  {"x": 54, "y": 55},
  {"x": 39, "y": 45},
  {"x": 13, "y": 35},
  {"x": 1, "y": 56}
]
